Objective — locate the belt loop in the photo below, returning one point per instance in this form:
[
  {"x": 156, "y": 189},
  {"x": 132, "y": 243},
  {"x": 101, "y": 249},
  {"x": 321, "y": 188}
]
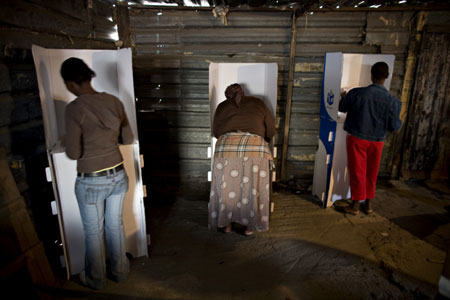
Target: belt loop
[{"x": 82, "y": 175}]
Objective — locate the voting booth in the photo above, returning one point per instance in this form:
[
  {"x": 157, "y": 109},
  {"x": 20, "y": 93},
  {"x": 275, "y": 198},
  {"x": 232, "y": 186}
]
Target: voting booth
[
  {"x": 114, "y": 75},
  {"x": 256, "y": 79},
  {"x": 342, "y": 72}
]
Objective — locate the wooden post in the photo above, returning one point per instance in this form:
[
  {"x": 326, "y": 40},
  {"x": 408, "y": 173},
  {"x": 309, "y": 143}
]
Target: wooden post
[
  {"x": 23, "y": 249},
  {"x": 122, "y": 19},
  {"x": 287, "y": 115},
  {"x": 408, "y": 84}
]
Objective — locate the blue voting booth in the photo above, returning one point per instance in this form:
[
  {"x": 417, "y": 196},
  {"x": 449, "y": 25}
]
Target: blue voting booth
[{"x": 342, "y": 72}]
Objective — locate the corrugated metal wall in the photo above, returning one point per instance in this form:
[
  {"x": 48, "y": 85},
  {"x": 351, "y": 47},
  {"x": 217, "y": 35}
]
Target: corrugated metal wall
[
  {"x": 54, "y": 23},
  {"x": 173, "y": 49},
  {"x": 427, "y": 144}
]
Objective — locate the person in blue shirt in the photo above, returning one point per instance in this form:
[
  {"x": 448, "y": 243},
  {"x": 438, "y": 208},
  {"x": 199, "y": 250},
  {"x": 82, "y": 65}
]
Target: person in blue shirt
[{"x": 372, "y": 112}]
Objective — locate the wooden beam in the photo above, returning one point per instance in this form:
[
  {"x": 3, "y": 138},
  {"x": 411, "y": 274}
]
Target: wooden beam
[
  {"x": 287, "y": 116},
  {"x": 122, "y": 18},
  {"x": 408, "y": 84}
]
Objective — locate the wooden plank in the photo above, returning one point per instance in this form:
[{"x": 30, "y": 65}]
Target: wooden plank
[
  {"x": 287, "y": 116},
  {"x": 22, "y": 14},
  {"x": 300, "y": 169},
  {"x": 304, "y": 122},
  {"x": 173, "y": 91},
  {"x": 301, "y": 153},
  {"x": 387, "y": 37},
  {"x": 122, "y": 18},
  {"x": 177, "y": 151},
  {"x": 21, "y": 38},
  {"x": 201, "y": 62},
  {"x": 211, "y": 35},
  {"x": 176, "y": 135},
  {"x": 102, "y": 9},
  {"x": 74, "y": 8},
  {"x": 393, "y": 21},
  {"x": 316, "y": 49},
  {"x": 161, "y": 170},
  {"x": 333, "y": 19},
  {"x": 150, "y": 18},
  {"x": 407, "y": 86},
  {"x": 330, "y": 35},
  {"x": 303, "y": 137},
  {"x": 175, "y": 119},
  {"x": 427, "y": 148},
  {"x": 175, "y": 104},
  {"x": 226, "y": 49}
]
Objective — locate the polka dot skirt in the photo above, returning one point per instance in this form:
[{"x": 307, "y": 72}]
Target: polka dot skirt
[{"x": 240, "y": 190}]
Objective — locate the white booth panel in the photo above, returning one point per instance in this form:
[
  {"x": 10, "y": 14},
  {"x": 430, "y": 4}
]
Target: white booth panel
[
  {"x": 114, "y": 75},
  {"x": 356, "y": 69},
  {"x": 256, "y": 79},
  {"x": 109, "y": 66}
]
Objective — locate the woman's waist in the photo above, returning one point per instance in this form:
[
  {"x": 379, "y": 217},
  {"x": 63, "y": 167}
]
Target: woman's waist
[
  {"x": 98, "y": 160},
  {"x": 242, "y": 144}
]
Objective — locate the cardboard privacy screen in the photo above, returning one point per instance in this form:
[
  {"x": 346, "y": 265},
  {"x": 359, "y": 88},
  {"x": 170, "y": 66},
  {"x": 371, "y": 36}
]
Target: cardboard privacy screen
[
  {"x": 114, "y": 75},
  {"x": 257, "y": 79}
]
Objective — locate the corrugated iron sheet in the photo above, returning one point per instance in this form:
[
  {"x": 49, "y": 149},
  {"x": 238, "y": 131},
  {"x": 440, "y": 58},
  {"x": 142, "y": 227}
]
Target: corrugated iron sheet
[{"x": 172, "y": 54}]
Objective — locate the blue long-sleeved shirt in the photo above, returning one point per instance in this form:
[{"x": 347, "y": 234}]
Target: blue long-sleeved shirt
[{"x": 371, "y": 112}]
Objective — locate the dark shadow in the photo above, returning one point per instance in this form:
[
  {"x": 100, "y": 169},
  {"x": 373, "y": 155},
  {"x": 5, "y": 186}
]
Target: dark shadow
[
  {"x": 408, "y": 209},
  {"x": 297, "y": 187},
  {"x": 424, "y": 225},
  {"x": 61, "y": 293},
  {"x": 188, "y": 259},
  {"x": 28, "y": 143},
  {"x": 157, "y": 138},
  {"x": 60, "y": 110}
]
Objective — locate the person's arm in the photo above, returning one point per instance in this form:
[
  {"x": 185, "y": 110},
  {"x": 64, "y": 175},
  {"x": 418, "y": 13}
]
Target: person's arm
[
  {"x": 344, "y": 103},
  {"x": 73, "y": 138},
  {"x": 126, "y": 134},
  {"x": 394, "y": 122},
  {"x": 269, "y": 123},
  {"x": 216, "y": 123}
]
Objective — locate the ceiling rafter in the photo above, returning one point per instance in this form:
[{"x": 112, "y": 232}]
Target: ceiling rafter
[{"x": 300, "y": 6}]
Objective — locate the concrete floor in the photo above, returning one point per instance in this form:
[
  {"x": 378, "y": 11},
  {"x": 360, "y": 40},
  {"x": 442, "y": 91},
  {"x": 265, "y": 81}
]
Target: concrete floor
[{"x": 308, "y": 253}]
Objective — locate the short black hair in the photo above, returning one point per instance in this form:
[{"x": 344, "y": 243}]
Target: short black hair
[
  {"x": 75, "y": 69},
  {"x": 380, "y": 70}
]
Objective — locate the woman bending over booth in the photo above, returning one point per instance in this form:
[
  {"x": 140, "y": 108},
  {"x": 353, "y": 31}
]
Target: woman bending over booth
[{"x": 240, "y": 187}]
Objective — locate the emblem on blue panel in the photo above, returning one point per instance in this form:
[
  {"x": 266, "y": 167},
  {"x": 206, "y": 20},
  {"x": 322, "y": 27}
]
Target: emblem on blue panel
[{"x": 330, "y": 97}]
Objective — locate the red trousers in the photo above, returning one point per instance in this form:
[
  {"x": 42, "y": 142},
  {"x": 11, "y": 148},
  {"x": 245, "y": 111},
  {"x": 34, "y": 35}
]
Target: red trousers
[{"x": 363, "y": 161}]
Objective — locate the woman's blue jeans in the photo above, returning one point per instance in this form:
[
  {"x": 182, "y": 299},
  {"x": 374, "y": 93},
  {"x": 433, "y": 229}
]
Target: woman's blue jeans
[{"x": 101, "y": 204}]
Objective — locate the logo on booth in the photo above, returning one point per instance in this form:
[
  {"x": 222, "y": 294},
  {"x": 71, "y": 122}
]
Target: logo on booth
[{"x": 330, "y": 97}]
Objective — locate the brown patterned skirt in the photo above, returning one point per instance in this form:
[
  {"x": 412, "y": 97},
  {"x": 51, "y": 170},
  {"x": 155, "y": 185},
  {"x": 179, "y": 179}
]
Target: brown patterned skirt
[{"x": 240, "y": 187}]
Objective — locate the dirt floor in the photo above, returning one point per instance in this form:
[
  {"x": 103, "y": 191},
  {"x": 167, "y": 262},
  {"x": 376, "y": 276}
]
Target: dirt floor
[{"x": 308, "y": 253}]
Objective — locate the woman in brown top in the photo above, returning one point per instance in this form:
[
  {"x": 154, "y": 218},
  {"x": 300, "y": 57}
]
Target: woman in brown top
[
  {"x": 95, "y": 122},
  {"x": 240, "y": 186}
]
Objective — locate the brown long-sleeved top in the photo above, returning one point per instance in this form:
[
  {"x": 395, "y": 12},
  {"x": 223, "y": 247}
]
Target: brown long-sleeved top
[
  {"x": 251, "y": 115},
  {"x": 94, "y": 125}
]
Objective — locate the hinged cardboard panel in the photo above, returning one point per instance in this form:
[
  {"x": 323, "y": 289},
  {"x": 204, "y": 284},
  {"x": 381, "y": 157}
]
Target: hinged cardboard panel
[{"x": 114, "y": 75}]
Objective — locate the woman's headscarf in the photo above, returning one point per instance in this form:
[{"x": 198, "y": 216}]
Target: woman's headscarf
[{"x": 234, "y": 93}]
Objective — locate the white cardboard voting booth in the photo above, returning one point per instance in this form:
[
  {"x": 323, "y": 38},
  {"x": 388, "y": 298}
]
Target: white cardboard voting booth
[
  {"x": 256, "y": 79},
  {"x": 114, "y": 75},
  {"x": 341, "y": 72}
]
